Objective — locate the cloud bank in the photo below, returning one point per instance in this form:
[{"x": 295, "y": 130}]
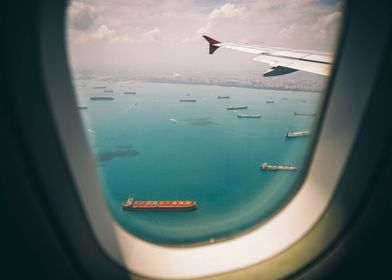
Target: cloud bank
[{"x": 166, "y": 35}]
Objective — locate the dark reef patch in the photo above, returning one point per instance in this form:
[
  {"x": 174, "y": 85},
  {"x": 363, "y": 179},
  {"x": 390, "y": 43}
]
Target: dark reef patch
[{"x": 124, "y": 151}]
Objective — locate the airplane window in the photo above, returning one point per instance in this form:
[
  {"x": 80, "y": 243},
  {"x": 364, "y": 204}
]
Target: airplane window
[{"x": 200, "y": 114}]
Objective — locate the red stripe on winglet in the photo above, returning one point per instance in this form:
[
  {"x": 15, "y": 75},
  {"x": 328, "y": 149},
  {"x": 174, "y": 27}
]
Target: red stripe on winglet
[{"x": 210, "y": 40}]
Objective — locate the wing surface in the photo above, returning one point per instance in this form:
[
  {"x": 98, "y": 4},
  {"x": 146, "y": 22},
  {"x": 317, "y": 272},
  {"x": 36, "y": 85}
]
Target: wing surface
[{"x": 282, "y": 61}]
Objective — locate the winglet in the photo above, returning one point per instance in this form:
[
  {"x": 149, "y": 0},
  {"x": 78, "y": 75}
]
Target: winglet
[{"x": 212, "y": 43}]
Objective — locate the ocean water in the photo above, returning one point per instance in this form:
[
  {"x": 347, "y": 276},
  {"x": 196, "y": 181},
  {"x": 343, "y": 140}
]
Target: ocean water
[{"x": 150, "y": 146}]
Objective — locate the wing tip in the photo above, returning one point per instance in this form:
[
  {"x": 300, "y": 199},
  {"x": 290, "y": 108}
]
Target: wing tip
[{"x": 212, "y": 43}]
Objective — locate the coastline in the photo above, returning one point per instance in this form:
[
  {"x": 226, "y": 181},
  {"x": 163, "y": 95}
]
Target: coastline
[
  {"x": 233, "y": 86},
  {"x": 263, "y": 87}
]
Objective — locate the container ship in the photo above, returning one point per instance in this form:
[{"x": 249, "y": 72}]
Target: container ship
[
  {"x": 298, "y": 134},
  {"x": 224, "y": 97},
  {"x": 303, "y": 114},
  {"x": 270, "y": 167},
  {"x": 129, "y": 92},
  {"x": 187, "y": 100},
  {"x": 248, "y": 116},
  {"x": 101, "y": 98},
  {"x": 237, "y": 107},
  {"x": 174, "y": 205}
]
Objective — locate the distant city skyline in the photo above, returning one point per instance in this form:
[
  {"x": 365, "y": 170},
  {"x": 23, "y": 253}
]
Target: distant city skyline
[{"x": 163, "y": 37}]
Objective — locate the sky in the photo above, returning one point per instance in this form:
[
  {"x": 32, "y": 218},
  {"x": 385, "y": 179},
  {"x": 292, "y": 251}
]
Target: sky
[{"x": 165, "y": 36}]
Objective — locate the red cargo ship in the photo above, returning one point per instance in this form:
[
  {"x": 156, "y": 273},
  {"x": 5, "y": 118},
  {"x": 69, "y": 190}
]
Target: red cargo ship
[{"x": 179, "y": 205}]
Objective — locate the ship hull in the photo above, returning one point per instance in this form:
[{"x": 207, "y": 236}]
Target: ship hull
[
  {"x": 181, "y": 205},
  {"x": 237, "y": 108},
  {"x": 267, "y": 167},
  {"x": 279, "y": 169},
  {"x": 303, "y": 114},
  {"x": 187, "y": 100},
  {"x": 160, "y": 209},
  {"x": 294, "y": 136},
  {"x": 102, "y": 98},
  {"x": 298, "y": 134},
  {"x": 249, "y": 116}
]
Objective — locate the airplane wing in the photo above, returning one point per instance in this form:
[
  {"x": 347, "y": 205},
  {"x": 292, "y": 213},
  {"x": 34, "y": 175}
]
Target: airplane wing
[{"x": 282, "y": 61}]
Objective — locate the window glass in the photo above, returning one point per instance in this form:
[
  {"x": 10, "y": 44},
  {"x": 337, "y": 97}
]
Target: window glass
[{"x": 167, "y": 121}]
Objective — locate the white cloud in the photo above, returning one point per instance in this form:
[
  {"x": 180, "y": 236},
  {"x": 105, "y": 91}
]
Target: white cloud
[
  {"x": 152, "y": 35},
  {"x": 204, "y": 30},
  {"x": 227, "y": 10},
  {"x": 103, "y": 33},
  {"x": 106, "y": 34},
  {"x": 323, "y": 28},
  {"x": 326, "y": 21},
  {"x": 81, "y": 15},
  {"x": 168, "y": 32},
  {"x": 218, "y": 15}
]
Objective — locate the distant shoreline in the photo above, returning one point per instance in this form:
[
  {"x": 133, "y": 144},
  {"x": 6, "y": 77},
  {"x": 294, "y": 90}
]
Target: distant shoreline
[
  {"x": 201, "y": 83},
  {"x": 232, "y": 86}
]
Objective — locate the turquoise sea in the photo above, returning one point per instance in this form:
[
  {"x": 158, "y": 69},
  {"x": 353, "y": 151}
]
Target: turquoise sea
[{"x": 152, "y": 147}]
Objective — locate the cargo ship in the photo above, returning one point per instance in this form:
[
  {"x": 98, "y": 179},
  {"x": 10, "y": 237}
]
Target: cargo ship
[
  {"x": 223, "y": 97},
  {"x": 99, "y": 87},
  {"x": 303, "y": 114},
  {"x": 129, "y": 92},
  {"x": 237, "y": 107},
  {"x": 174, "y": 205},
  {"x": 270, "y": 102},
  {"x": 298, "y": 134},
  {"x": 82, "y": 107},
  {"x": 108, "y": 90},
  {"x": 101, "y": 98},
  {"x": 271, "y": 167},
  {"x": 187, "y": 100},
  {"x": 248, "y": 116}
]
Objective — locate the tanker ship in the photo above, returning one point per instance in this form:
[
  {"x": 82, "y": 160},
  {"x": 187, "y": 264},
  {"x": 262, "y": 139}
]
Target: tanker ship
[
  {"x": 271, "y": 167},
  {"x": 101, "y": 98},
  {"x": 298, "y": 134},
  {"x": 187, "y": 99},
  {"x": 237, "y": 107},
  {"x": 248, "y": 116},
  {"x": 174, "y": 205}
]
